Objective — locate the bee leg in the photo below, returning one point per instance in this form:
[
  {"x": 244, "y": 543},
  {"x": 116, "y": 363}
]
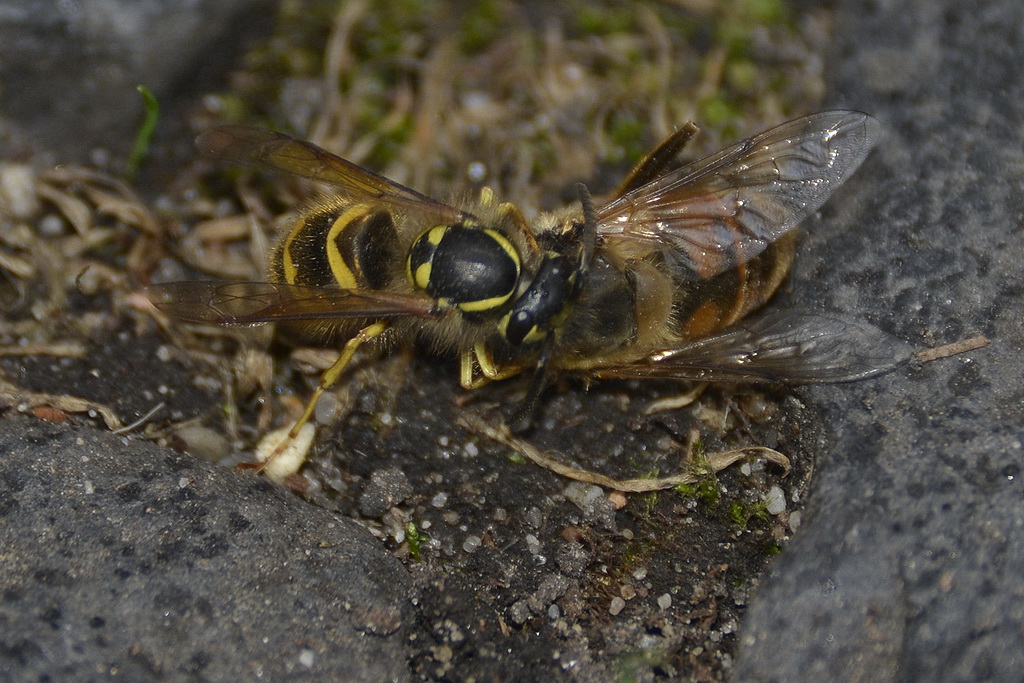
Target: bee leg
[
  {"x": 675, "y": 402},
  {"x": 282, "y": 444}
]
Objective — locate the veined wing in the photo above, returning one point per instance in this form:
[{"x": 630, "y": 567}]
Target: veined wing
[
  {"x": 251, "y": 303},
  {"x": 788, "y": 346},
  {"x": 726, "y": 208},
  {"x": 262, "y": 148}
]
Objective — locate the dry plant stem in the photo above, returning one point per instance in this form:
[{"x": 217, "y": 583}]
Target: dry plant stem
[
  {"x": 142, "y": 420},
  {"x": 716, "y": 462},
  {"x": 680, "y": 400},
  {"x": 56, "y": 349},
  {"x": 947, "y": 350},
  {"x": 12, "y": 396}
]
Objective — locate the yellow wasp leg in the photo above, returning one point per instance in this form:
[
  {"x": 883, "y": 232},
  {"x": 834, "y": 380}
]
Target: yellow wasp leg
[
  {"x": 281, "y": 454},
  {"x": 466, "y": 368},
  {"x": 330, "y": 376},
  {"x": 490, "y": 372}
]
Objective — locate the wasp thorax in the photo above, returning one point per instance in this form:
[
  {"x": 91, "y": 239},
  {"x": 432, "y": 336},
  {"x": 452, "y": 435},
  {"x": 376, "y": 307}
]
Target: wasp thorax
[{"x": 474, "y": 269}]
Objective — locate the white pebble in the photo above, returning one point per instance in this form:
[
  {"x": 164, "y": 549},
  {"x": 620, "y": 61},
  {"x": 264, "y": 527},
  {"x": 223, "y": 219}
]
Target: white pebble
[
  {"x": 794, "y": 520},
  {"x": 776, "y": 500},
  {"x": 285, "y": 455}
]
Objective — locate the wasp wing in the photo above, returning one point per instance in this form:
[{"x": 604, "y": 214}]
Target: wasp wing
[
  {"x": 262, "y": 148},
  {"x": 726, "y": 208},
  {"x": 787, "y": 346},
  {"x": 251, "y": 303}
]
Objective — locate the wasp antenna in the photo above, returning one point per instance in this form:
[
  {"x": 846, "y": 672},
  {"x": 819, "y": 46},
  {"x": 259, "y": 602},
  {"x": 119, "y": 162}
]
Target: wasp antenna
[
  {"x": 589, "y": 225},
  {"x": 520, "y": 420}
]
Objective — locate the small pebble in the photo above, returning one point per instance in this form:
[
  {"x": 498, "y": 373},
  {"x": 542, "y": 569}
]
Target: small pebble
[{"x": 776, "y": 501}]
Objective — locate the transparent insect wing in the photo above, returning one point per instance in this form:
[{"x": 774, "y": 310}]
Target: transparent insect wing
[
  {"x": 739, "y": 200},
  {"x": 250, "y": 303},
  {"x": 261, "y": 148},
  {"x": 788, "y": 346}
]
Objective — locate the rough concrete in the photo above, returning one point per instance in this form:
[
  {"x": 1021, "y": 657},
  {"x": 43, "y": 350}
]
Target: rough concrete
[{"x": 911, "y": 563}]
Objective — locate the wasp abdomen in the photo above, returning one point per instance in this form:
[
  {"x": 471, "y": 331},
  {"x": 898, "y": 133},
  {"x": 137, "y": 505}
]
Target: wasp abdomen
[
  {"x": 352, "y": 246},
  {"x": 706, "y": 305}
]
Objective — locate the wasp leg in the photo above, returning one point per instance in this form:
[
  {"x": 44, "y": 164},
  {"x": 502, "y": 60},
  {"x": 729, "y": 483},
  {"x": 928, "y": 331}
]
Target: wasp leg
[
  {"x": 327, "y": 380},
  {"x": 330, "y": 376},
  {"x": 480, "y": 357},
  {"x": 675, "y": 402}
]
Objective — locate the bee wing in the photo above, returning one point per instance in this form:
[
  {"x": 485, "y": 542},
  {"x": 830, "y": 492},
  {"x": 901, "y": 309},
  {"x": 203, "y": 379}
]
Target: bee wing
[
  {"x": 726, "y": 208},
  {"x": 787, "y": 346},
  {"x": 250, "y": 303},
  {"x": 262, "y": 148}
]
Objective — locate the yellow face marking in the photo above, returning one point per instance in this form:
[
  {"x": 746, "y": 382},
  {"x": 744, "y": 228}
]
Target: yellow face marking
[
  {"x": 342, "y": 273},
  {"x": 534, "y": 335}
]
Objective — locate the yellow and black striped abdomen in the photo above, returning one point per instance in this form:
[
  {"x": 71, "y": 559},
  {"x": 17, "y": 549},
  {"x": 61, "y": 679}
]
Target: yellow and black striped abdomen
[{"x": 339, "y": 244}]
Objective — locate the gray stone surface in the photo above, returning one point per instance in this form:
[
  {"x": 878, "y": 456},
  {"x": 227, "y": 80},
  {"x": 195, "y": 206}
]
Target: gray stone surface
[
  {"x": 137, "y": 563},
  {"x": 69, "y": 70},
  {"x": 910, "y": 565}
]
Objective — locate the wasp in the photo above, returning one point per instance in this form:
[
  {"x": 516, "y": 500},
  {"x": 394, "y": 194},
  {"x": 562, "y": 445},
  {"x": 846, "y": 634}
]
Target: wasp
[{"x": 653, "y": 281}]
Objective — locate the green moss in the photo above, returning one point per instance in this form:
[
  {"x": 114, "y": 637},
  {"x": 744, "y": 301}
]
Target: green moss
[
  {"x": 596, "y": 19},
  {"x": 481, "y": 24},
  {"x": 648, "y": 502},
  {"x": 516, "y": 458},
  {"x": 763, "y": 12},
  {"x": 718, "y": 113},
  {"x": 742, "y": 75},
  {"x": 742, "y": 512},
  {"x": 704, "y": 490},
  {"x": 638, "y": 664},
  {"x": 627, "y": 133},
  {"x": 414, "y": 537}
]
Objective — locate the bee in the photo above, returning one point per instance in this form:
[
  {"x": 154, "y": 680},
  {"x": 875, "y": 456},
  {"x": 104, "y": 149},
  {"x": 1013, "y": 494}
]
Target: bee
[{"x": 654, "y": 281}]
